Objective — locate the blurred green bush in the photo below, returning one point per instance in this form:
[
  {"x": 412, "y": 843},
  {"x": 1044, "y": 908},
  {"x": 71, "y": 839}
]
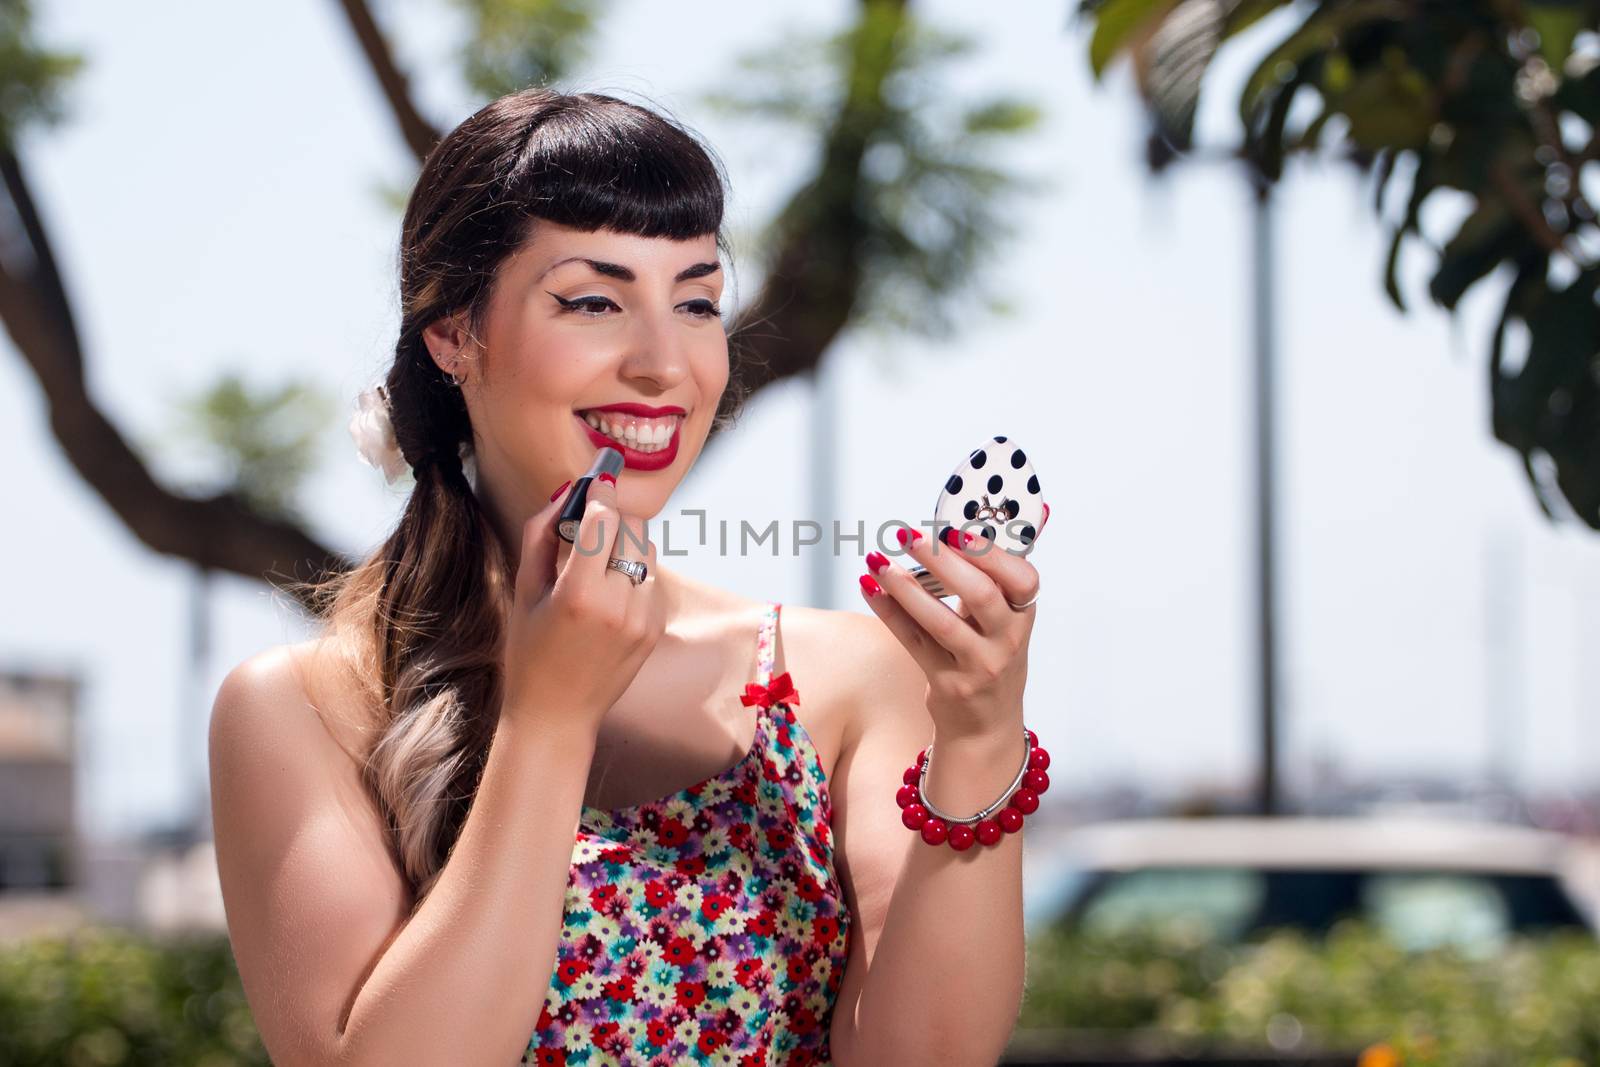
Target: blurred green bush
[
  {"x": 102, "y": 996},
  {"x": 1534, "y": 1004}
]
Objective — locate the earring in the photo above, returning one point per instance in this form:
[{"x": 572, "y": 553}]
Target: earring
[{"x": 451, "y": 377}]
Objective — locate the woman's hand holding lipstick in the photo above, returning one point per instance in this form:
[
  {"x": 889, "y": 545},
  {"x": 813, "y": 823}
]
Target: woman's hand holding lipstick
[{"x": 579, "y": 630}]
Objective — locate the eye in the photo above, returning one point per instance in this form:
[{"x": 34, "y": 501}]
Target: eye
[
  {"x": 594, "y": 306},
  {"x": 703, "y": 309}
]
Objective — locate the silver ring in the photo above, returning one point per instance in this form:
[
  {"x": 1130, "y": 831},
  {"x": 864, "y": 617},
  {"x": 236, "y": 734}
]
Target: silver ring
[
  {"x": 1019, "y": 607},
  {"x": 635, "y": 569}
]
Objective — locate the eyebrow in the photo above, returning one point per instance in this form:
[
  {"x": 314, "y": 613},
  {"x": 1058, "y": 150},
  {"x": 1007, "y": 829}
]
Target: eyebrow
[{"x": 618, "y": 271}]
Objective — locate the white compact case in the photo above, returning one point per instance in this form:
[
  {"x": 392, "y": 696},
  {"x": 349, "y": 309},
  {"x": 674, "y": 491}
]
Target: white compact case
[{"x": 994, "y": 493}]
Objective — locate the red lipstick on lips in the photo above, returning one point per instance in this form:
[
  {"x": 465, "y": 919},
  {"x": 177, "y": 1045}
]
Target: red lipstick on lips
[{"x": 632, "y": 457}]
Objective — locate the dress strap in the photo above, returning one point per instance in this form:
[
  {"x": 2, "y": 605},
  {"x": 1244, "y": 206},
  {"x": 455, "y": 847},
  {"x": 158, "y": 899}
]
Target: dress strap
[{"x": 767, "y": 643}]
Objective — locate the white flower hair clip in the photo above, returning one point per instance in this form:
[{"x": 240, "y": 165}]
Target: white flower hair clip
[{"x": 373, "y": 432}]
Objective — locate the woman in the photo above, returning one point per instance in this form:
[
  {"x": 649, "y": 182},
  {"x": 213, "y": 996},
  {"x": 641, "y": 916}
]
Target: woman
[{"x": 455, "y": 827}]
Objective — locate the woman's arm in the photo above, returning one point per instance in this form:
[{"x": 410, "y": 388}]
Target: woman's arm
[
  {"x": 334, "y": 976},
  {"x": 935, "y": 971},
  {"x": 471, "y": 970},
  {"x": 942, "y": 979},
  {"x": 334, "y": 970}
]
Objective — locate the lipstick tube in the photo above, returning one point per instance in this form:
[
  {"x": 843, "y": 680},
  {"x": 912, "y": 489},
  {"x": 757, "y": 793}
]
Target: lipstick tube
[{"x": 606, "y": 461}]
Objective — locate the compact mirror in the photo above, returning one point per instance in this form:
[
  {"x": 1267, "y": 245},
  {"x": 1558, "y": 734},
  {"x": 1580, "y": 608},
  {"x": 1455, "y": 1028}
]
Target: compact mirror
[{"x": 993, "y": 493}]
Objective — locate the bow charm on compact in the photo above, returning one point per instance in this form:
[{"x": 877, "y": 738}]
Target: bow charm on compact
[{"x": 778, "y": 691}]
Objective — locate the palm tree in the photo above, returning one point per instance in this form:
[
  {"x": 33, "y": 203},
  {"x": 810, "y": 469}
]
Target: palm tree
[{"x": 1498, "y": 99}]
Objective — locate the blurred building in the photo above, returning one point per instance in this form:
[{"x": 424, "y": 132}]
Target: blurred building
[
  {"x": 54, "y": 877},
  {"x": 38, "y": 730}
]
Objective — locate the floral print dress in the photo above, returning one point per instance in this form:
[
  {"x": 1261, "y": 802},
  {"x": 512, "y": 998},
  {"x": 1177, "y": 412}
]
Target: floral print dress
[{"x": 708, "y": 927}]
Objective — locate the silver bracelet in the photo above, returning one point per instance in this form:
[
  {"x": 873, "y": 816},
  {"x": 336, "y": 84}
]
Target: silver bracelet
[{"x": 922, "y": 786}]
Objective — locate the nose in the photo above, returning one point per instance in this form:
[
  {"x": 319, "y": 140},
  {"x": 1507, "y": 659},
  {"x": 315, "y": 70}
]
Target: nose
[{"x": 657, "y": 354}]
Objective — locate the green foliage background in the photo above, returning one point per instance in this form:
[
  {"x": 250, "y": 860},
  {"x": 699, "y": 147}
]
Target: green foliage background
[
  {"x": 1494, "y": 100},
  {"x": 104, "y": 997},
  {"x": 1533, "y": 1005}
]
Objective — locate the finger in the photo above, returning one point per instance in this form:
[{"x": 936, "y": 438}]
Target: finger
[
  {"x": 986, "y": 577},
  {"x": 643, "y": 599},
  {"x": 538, "y": 563},
  {"x": 980, "y": 598},
  {"x": 632, "y": 543},
  {"x": 633, "y": 537},
  {"x": 597, "y": 533},
  {"x": 929, "y": 654},
  {"x": 943, "y": 625}
]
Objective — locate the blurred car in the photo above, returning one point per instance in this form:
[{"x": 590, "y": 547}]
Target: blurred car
[{"x": 1421, "y": 882}]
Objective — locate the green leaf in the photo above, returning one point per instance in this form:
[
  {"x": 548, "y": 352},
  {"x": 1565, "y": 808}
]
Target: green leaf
[
  {"x": 1246, "y": 13},
  {"x": 1385, "y": 110},
  {"x": 1308, "y": 138},
  {"x": 1320, "y": 33},
  {"x": 1002, "y": 116},
  {"x": 1336, "y": 71},
  {"x": 1115, "y": 22},
  {"x": 260, "y": 440},
  {"x": 1421, "y": 185},
  {"x": 1269, "y": 148},
  {"x": 33, "y": 80},
  {"x": 927, "y": 201},
  {"x": 1558, "y": 25},
  {"x": 1551, "y": 405},
  {"x": 1175, "y": 62},
  {"x": 516, "y": 43},
  {"x": 1488, "y": 236}
]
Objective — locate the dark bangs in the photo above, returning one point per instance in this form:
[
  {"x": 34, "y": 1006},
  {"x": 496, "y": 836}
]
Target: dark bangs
[{"x": 596, "y": 162}]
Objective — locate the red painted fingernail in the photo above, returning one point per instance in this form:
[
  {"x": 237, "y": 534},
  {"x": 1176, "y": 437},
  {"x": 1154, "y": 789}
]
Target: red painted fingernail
[
  {"x": 967, "y": 538},
  {"x": 906, "y": 535},
  {"x": 607, "y": 476},
  {"x": 876, "y": 561},
  {"x": 563, "y": 487},
  {"x": 870, "y": 584},
  {"x": 1046, "y": 517}
]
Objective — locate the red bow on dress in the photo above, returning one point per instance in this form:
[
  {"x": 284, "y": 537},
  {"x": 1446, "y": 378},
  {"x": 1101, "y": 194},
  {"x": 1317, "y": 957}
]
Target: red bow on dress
[{"x": 778, "y": 691}]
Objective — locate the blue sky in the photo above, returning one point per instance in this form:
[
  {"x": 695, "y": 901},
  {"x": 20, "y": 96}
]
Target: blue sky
[{"x": 213, "y": 202}]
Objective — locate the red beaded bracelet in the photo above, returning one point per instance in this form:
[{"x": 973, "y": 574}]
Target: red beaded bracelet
[{"x": 1004, "y": 816}]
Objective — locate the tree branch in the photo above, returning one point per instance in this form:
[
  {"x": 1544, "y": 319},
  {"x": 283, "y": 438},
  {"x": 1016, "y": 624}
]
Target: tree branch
[
  {"x": 420, "y": 134},
  {"x": 221, "y": 532},
  {"x": 815, "y": 276}
]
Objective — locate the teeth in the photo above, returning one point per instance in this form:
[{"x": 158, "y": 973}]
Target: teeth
[{"x": 646, "y": 435}]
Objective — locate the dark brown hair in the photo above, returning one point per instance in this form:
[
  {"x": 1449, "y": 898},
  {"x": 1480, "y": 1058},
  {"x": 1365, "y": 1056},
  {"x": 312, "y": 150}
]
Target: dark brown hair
[{"x": 419, "y": 623}]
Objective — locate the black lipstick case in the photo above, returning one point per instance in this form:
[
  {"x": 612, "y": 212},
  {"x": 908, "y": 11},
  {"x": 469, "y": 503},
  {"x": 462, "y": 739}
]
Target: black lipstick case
[{"x": 606, "y": 461}]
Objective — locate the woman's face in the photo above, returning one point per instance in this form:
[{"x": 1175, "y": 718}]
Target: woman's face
[{"x": 579, "y": 321}]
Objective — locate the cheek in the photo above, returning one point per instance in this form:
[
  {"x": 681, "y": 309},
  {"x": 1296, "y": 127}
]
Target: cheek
[
  {"x": 711, "y": 366},
  {"x": 546, "y": 367}
]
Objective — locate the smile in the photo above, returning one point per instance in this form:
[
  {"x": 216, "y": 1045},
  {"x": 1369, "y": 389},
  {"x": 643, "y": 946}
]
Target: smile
[{"x": 644, "y": 435}]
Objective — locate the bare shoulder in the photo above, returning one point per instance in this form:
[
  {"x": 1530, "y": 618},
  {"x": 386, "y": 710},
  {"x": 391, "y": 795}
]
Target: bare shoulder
[
  {"x": 310, "y": 888},
  {"x": 288, "y": 732},
  {"x": 305, "y": 686},
  {"x": 854, "y": 675},
  {"x": 273, "y": 684},
  {"x": 288, "y": 718}
]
